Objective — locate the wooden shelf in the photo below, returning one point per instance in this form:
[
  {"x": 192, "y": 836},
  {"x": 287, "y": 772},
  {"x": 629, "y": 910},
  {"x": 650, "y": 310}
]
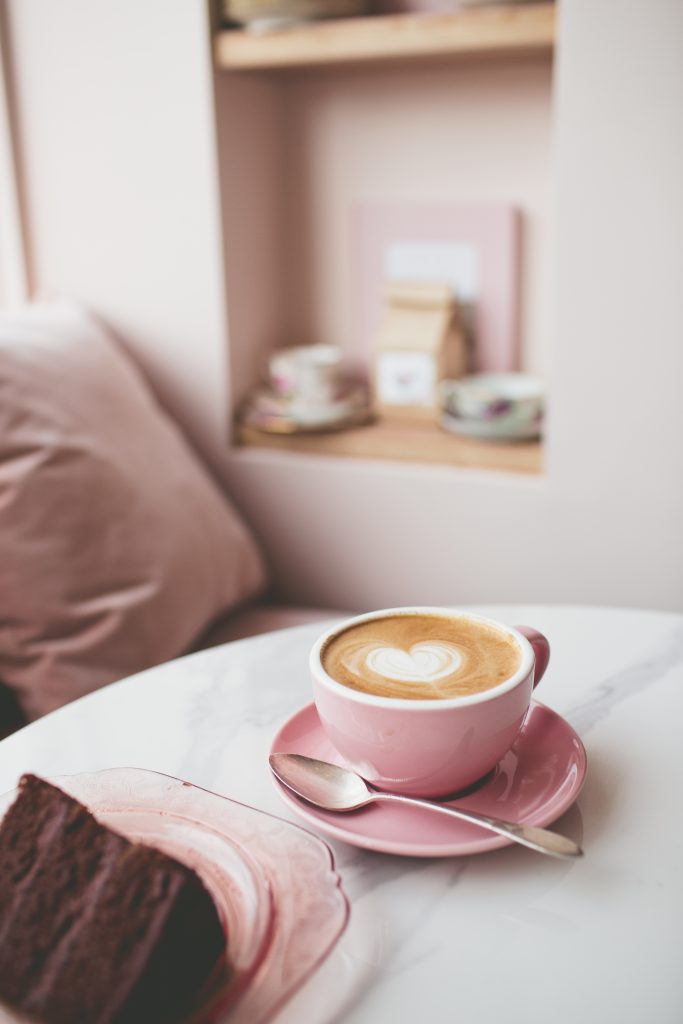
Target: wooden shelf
[
  {"x": 504, "y": 29},
  {"x": 404, "y": 442}
]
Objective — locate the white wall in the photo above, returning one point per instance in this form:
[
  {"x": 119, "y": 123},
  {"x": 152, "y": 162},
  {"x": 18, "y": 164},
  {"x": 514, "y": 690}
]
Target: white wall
[
  {"x": 117, "y": 146},
  {"x": 115, "y": 107},
  {"x": 618, "y": 418},
  {"x": 14, "y": 285}
]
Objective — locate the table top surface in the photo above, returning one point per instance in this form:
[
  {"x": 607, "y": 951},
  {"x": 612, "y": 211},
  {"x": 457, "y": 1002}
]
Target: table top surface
[{"x": 506, "y": 935}]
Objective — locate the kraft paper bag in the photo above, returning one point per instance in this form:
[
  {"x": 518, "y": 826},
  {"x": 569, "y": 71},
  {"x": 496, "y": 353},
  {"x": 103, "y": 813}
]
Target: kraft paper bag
[{"x": 420, "y": 343}]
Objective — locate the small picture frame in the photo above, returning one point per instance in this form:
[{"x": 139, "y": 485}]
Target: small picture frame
[{"x": 474, "y": 247}]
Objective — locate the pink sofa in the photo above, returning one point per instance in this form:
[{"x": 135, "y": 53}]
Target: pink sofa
[{"x": 262, "y": 617}]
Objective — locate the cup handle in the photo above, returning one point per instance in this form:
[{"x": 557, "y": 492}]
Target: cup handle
[{"x": 541, "y": 650}]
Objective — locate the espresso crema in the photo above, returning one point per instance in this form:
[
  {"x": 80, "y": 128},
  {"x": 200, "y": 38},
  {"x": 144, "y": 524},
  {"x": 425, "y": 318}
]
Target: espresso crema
[{"x": 421, "y": 657}]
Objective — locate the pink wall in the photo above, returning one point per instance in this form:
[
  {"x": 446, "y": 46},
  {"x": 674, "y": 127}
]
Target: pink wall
[
  {"x": 430, "y": 134},
  {"x": 251, "y": 139}
]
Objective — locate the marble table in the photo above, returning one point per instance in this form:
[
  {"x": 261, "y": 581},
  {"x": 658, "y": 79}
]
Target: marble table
[{"x": 503, "y": 936}]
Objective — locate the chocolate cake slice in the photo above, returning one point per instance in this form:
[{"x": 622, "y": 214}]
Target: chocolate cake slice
[{"x": 94, "y": 928}]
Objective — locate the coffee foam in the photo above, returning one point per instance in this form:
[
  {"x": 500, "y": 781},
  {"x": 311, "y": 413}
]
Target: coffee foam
[{"x": 421, "y": 657}]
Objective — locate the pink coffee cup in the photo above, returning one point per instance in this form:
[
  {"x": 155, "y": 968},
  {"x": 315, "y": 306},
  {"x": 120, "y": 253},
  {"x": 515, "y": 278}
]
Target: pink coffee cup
[{"x": 427, "y": 747}]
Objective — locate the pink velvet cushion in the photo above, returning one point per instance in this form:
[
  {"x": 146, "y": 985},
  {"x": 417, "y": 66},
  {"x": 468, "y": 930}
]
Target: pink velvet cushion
[{"x": 117, "y": 550}]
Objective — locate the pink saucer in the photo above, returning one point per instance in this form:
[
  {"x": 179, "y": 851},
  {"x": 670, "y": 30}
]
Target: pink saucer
[{"x": 537, "y": 780}]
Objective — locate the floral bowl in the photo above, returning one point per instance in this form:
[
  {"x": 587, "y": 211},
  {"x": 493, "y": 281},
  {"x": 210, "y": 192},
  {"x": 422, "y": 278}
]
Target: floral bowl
[{"x": 496, "y": 405}]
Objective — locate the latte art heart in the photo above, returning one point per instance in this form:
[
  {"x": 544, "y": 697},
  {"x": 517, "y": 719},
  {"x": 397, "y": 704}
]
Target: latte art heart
[
  {"x": 421, "y": 657},
  {"x": 423, "y": 662}
]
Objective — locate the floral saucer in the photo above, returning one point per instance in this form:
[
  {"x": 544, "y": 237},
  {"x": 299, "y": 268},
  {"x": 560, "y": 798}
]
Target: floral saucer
[
  {"x": 276, "y": 414},
  {"x": 537, "y": 780}
]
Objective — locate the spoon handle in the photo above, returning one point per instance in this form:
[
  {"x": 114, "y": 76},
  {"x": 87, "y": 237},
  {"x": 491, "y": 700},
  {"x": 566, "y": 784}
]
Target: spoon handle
[{"x": 540, "y": 839}]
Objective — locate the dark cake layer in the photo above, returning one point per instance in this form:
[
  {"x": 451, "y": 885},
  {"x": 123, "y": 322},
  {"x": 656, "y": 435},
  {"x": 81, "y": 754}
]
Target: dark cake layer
[{"x": 94, "y": 928}]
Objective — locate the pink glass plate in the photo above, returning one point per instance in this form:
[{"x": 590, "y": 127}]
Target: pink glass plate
[
  {"x": 274, "y": 883},
  {"x": 537, "y": 780}
]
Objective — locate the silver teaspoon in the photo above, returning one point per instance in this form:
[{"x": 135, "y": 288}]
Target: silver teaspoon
[{"x": 337, "y": 789}]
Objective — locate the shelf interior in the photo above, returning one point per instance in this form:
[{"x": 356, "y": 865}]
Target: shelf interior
[{"x": 312, "y": 149}]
